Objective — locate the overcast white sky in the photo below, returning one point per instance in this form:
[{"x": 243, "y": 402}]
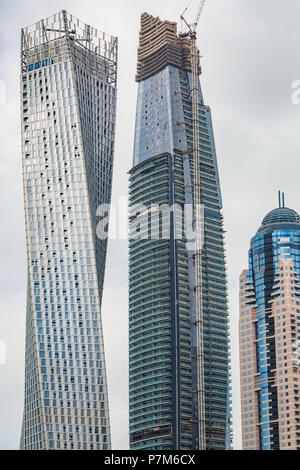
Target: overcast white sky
[{"x": 250, "y": 52}]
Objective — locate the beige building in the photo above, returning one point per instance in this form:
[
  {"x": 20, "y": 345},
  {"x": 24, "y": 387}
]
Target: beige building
[{"x": 269, "y": 332}]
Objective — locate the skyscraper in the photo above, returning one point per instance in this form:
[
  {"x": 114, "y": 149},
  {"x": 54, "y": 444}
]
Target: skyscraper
[
  {"x": 270, "y": 335},
  {"x": 68, "y": 100},
  {"x": 164, "y": 359}
]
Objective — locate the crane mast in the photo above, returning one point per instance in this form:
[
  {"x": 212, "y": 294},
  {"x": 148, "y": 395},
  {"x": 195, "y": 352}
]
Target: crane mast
[{"x": 198, "y": 224}]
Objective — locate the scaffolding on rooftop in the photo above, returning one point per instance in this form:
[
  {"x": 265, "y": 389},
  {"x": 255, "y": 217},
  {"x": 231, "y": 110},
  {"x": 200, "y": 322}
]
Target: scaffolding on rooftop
[{"x": 63, "y": 28}]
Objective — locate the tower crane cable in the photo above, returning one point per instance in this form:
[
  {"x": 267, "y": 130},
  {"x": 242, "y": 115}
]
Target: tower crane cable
[{"x": 186, "y": 9}]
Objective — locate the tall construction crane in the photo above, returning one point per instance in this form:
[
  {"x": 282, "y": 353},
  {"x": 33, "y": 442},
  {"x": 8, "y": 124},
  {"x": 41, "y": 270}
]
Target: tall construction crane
[{"x": 198, "y": 223}]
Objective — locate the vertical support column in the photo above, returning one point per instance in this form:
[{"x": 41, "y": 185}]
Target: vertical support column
[
  {"x": 193, "y": 307},
  {"x": 198, "y": 225},
  {"x": 175, "y": 323}
]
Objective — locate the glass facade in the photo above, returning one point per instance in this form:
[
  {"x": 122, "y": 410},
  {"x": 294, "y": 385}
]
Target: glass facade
[
  {"x": 274, "y": 250},
  {"x": 68, "y": 93},
  {"x": 162, "y": 344}
]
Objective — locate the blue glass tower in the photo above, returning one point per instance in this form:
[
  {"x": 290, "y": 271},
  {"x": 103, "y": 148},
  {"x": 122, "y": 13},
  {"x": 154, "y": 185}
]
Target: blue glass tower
[
  {"x": 270, "y": 302},
  {"x": 163, "y": 362}
]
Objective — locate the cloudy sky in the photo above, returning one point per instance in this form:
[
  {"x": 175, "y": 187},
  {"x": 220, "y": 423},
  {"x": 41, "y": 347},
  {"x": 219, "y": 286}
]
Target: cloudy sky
[{"x": 250, "y": 58}]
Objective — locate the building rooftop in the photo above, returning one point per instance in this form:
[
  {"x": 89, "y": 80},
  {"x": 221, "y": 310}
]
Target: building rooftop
[
  {"x": 52, "y": 36},
  {"x": 281, "y": 215},
  {"x": 159, "y": 46},
  {"x": 277, "y": 217}
]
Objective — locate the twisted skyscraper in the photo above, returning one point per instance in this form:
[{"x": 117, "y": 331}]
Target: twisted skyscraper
[
  {"x": 68, "y": 92},
  {"x": 173, "y": 348}
]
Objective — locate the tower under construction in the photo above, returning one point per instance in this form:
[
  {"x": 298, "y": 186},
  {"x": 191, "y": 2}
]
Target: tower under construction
[{"x": 178, "y": 314}]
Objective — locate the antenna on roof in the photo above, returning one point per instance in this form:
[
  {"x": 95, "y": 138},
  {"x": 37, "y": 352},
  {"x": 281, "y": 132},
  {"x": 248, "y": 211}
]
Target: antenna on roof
[
  {"x": 279, "y": 197},
  {"x": 283, "y": 201}
]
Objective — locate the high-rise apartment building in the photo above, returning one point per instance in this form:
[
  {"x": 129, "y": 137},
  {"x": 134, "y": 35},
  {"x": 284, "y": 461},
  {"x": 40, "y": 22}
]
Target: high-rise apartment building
[
  {"x": 68, "y": 100},
  {"x": 164, "y": 362},
  {"x": 270, "y": 335}
]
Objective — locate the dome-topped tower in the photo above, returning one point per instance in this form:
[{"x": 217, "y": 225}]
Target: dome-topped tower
[
  {"x": 281, "y": 215},
  {"x": 269, "y": 301}
]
